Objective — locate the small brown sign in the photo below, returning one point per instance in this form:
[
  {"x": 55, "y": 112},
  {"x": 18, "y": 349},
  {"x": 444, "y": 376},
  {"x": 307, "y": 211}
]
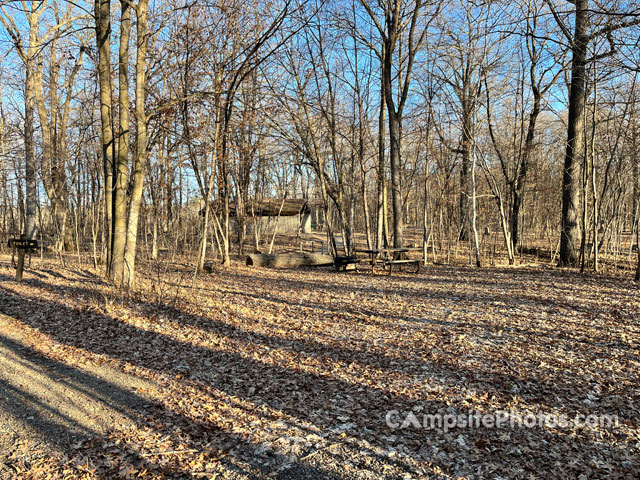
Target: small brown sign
[{"x": 23, "y": 244}]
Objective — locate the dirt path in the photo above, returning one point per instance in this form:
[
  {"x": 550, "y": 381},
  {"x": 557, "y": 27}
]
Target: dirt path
[{"x": 48, "y": 407}]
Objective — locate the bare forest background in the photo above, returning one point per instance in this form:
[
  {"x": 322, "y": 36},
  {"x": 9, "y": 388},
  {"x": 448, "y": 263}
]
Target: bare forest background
[{"x": 478, "y": 131}]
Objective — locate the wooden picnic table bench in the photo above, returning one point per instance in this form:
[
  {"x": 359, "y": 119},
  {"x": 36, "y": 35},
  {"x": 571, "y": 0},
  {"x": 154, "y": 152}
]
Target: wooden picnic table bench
[
  {"x": 373, "y": 253},
  {"x": 405, "y": 261},
  {"x": 344, "y": 261},
  {"x": 385, "y": 257}
]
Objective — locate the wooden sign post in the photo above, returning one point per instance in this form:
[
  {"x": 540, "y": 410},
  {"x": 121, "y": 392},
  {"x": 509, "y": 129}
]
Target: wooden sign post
[{"x": 23, "y": 245}]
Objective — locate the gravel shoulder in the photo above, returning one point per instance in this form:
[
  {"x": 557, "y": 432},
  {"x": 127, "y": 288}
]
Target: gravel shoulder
[{"x": 48, "y": 407}]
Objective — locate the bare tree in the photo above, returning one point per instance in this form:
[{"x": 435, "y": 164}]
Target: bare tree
[
  {"x": 470, "y": 37},
  {"x": 28, "y": 54},
  {"x": 140, "y": 159},
  {"x": 538, "y": 71},
  {"x": 54, "y": 115},
  {"x": 402, "y": 27},
  {"x": 102, "y": 12},
  {"x": 584, "y": 17}
]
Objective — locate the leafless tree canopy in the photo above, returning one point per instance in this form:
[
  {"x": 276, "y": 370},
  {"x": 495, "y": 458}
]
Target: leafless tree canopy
[{"x": 479, "y": 130}]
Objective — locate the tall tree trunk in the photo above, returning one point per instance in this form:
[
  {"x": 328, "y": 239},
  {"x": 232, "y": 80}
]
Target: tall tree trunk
[
  {"x": 365, "y": 205},
  {"x": 426, "y": 230},
  {"x": 141, "y": 145},
  {"x": 381, "y": 239},
  {"x": 465, "y": 180},
  {"x": 103, "y": 43},
  {"x": 400, "y": 22},
  {"x": 122, "y": 173},
  {"x": 583, "y": 238},
  {"x": 474, "y": 210},
  {"x": 205, "y": 232},
  {"x": 29, "y": 58},
  {"x": 224, "y": 172},
  {"x": 207, "y": 190},
  {"x": 396, "y": 187},
  {"x": 518, "y": 191},
  {"x": 596, "y": 220},
  {"x": 570, "y": 233},
  {"x": 636, "y": 179},
  {"x": 394, "y": 121},
  {"x": 636, "y": 188},
  {"x": 54, "y": 119},
  {"x": 588, "y": 176},
  {"x": 226, "y": 259},
  {"x": 30, "y": 159}
]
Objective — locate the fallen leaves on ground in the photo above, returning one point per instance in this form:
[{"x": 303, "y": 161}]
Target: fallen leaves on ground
[{"x": 262, "y": 373}]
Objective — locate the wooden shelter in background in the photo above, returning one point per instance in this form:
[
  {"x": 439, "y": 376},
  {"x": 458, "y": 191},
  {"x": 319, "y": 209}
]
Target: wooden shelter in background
[{"x": 286, "y": 216}]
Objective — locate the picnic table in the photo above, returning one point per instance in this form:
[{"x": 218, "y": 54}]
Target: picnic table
[
  {"x": 346, "y": 262},
  {"x": 389, "y": 257}
]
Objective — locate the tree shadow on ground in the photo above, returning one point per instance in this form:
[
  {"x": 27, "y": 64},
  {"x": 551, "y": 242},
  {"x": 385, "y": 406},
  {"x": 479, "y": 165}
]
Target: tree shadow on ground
[
  {"x": 502, "y": 294},
  {"x": 318, "y": 399},
  {"x": 60, "y": 405},
  {"x": 497, "y": 377},
  {"x": 494, "y": 377},
  {"x": 67, "y": 328},
  {"x": 46, "y": 420}
]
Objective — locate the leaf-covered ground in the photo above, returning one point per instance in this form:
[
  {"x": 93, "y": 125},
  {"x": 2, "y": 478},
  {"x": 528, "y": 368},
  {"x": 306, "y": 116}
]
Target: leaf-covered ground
[{"x": 258, "y": 373}]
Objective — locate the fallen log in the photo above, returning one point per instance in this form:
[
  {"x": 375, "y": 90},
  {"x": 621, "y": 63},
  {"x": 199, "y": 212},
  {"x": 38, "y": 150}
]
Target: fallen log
[{"x": 289, "y": 260}]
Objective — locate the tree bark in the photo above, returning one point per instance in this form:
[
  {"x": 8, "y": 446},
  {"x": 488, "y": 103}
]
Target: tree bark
[
  {"x": 365, "y": 204},
  {"x": 103, "y": 44},
  {"x": 570, "y": 233},
  {"x": 474, "y": 215},
  {"x": 465, "y": 183},
  {"x": 30, "y": 160},
  {"x": 289, "y": 260},
  {"x": 29, "y": 58},
  {"x": 396, "y": 192},
  {"x": 141, "y": 144},
  {"x": 518, "y": 191},
  {"x": 399, "y": 18},
  {"x": 54, "y": 119},
  {"x": 122, "y": 173},
  {"x": 381, "y": 238},
  {"x": 394, "y": 120},
  {"x": 636, "y": 193}
]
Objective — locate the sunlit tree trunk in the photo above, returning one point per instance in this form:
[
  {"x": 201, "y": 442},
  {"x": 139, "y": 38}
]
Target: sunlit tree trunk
[
  {"x": 29, "y": 57},
  {"x": 474, "y": 210},
  {"x": 122, "y": 172},
  {"x": 54, "y": 123},
  {"x": 103, "y": 43},
  {"x": 141, "y": 144},
  {"x": 30, "y": 159},
  {"x": 381, "y": 238},
  {"x": 396, "y": 184}
]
